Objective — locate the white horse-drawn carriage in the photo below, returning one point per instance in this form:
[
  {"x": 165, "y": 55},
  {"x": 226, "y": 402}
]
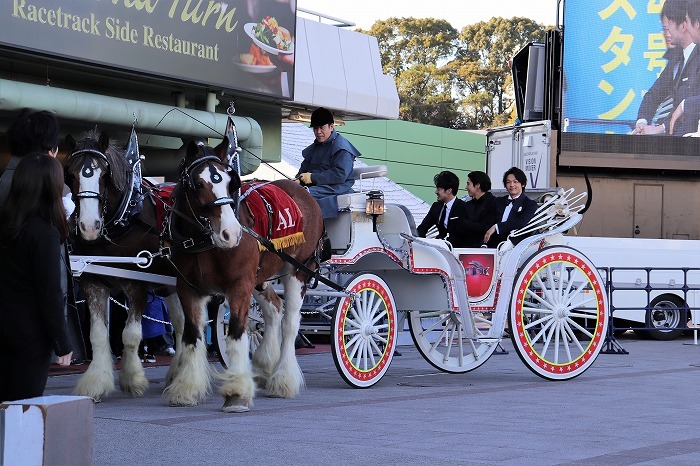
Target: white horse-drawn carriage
[
  {"x": 380, "y": 275},
  {"x": 456, "y": 301}
]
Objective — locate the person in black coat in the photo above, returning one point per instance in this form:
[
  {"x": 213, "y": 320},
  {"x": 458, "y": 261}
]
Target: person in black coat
[
  {"x": 513, "y": 211},
  {"x": 32, "y": 317},
  {"x": 447, "y": 211},
  {"x": 479, "y": 213}
]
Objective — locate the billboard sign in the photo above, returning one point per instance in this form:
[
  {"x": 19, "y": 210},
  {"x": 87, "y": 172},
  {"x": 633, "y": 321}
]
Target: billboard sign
[
  {"x": 614, "y": 52},
  {"x": 246, "y": 45}
]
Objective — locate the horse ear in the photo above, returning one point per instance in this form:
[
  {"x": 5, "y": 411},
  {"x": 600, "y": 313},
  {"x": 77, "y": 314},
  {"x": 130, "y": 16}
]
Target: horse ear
[
  {"x": 71, "y": 144},
  {"x": 220, "y": 150},
  {"x": 104, "y": 142},
  {"x": 192, "y": 150}
]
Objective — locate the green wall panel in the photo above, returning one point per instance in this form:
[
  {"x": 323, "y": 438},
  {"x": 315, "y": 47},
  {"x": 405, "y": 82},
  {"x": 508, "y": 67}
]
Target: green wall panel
[{"x": 414, "y": 152}]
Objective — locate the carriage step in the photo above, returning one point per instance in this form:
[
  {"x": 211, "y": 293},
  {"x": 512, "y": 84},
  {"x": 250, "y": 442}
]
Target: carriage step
[{"x": 488, "y": 340}]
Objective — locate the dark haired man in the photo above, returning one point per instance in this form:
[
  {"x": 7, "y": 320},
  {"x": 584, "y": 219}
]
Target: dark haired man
[
  {"x": 657, "y": 103},
  {"x": 326, "y": 170},
  {"x": 513, "y": 211},
  {"x": 446, "y": 212},
  {"x": 479, "y": 212},
  {"x": 686, "y": 116},
  {"x": 32, "y": 131}
]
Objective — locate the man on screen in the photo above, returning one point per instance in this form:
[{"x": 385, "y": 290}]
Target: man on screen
[
  {"x": 687, "y": 112},
  {"x": 685, "y": 76},
  {"x": 657, "y": 102}
]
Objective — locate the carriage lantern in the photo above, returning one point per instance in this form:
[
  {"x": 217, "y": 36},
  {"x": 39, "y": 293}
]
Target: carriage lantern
[{"x": 374, "y": 206}]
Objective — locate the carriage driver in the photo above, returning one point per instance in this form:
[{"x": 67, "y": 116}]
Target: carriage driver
[{"x": 326, "y": 170}]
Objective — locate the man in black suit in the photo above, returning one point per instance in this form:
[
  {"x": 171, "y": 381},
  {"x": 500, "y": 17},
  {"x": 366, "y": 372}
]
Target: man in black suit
[
  {"x": 480, "y": 211},
  {"x": 446, "y": 211},
  {"x": 686, "y": 79},
  {"x": 657, "y": 103},
  {"x": 513, "y": 211},
  {"x": 687, "y": 112}
]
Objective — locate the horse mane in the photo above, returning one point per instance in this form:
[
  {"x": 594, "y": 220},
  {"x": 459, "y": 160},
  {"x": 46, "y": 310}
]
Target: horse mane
[{"x": 119, "y": 166}]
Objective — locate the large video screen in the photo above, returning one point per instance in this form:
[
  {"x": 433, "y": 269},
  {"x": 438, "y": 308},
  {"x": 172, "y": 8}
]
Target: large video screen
[{"x": 621, "y": 72}]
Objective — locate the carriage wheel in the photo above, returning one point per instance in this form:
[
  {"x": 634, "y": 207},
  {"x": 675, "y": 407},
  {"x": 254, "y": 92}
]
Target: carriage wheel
[
  {"x": 364, "y": 331},
  {"x": 559, "y": 313},
  {"x": 440, "y": 339},
  {"x": 255, "y": 329}
]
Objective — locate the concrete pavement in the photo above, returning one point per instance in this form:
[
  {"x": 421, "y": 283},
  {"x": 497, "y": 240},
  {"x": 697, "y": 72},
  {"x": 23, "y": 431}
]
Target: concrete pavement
[{"x": 640, "y": 408}]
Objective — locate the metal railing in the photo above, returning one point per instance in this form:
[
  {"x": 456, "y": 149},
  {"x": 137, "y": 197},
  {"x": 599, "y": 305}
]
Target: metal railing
[{"x": 651, "y": 289}]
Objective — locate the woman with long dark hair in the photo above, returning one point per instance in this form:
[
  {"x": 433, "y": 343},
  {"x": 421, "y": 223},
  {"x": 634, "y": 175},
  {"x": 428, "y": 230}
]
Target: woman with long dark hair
[{"x": 32, "y": 319}]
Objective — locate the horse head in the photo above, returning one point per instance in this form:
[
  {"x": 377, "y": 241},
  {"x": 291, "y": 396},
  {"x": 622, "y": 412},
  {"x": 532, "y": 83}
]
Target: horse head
[
  {"x": 97, "y": 174},
  {"x": 210, "y": 188}
]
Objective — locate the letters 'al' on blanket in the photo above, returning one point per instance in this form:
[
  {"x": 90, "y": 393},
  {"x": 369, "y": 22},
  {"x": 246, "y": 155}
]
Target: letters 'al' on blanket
[{"x": 287, "y": 226}]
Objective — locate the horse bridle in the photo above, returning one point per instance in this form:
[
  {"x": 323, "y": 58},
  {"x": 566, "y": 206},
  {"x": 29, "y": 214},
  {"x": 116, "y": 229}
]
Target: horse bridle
[
  {"x": 88, "y": 172},
  {"x": 119, "y": 219},
  {"x": 188, "y": 181}
]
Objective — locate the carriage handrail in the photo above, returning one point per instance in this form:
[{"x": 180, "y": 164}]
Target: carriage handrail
[{"x": 554, "y": 211}]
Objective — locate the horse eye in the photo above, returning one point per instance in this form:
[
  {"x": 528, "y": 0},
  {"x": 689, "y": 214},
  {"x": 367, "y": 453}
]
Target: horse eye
[{"x": 199, "y": 185}]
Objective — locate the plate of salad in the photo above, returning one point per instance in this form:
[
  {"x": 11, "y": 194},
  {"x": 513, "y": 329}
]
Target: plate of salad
[{"x": 270, "y": 36}]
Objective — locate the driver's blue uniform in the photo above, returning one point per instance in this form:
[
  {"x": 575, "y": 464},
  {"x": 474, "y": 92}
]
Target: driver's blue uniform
[{"x": 330, "y": 164}]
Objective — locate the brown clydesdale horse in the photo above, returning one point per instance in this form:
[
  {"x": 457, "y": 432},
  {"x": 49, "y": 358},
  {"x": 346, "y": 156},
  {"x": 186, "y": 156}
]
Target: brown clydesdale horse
[
  {"x": 99, "y": 177},
  {"x": 226, "y": 260}
]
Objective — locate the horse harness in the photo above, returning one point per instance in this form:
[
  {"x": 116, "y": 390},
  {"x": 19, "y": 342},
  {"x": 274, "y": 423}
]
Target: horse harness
[
  {"x": 130, "y": 205},
  {"x": 203, "y": 241}
]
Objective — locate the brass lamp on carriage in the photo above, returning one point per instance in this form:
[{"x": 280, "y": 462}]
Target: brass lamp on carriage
[{"x": 374, "y": 206}]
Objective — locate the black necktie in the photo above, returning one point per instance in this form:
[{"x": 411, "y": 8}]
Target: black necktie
[
  {"x": 510, "y": 201},
  {"x": 443, "y": 213},
  {"x": 680, "y": 70}
]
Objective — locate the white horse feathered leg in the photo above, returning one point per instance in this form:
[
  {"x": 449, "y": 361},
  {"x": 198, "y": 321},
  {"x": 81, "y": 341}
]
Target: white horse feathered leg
[
  {"x": 177, "y": 318},
  {"x": 98, "y": 380},
  {"x": 192, "y": 377},
  {"x": 287, "y": 379},
  {"x": 237, "y": 385},
  {"x": 268, "y": 353},
  {"x": 132, "y": 378}
]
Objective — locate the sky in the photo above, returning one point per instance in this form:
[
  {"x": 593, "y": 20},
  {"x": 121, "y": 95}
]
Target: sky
[{"x": 458, "y": 13}]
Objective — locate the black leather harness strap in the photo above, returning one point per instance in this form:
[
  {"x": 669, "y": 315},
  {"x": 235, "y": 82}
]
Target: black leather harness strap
[{"x": 291, "y": 260}]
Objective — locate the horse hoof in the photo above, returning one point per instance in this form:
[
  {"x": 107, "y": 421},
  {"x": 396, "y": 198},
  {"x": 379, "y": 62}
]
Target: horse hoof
[{"x": 235, "y": 404}]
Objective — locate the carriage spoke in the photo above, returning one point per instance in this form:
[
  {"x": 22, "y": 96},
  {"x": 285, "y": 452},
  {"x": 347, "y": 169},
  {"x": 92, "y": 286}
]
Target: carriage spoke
[
  {"x": 545, "y": 289},
  {"x": 450, "y": 338},
  {"x": 542, "y": 331},
  {"x": 538, "y": 310},
  {"x": 538, "y": 321},
  {"x": 582, "y": 315},
  {"x": 534, "y": 295},
  {"x": 375, "y": 348},
  {"x": 566, "y": 331},
  {"x": 565, "y": 337},
  {"x": 557, "y": 332},
  {"x": 435, "y": 325},
  {"x": 581, "y": 329},
  {"x": 577, "y": 291},
  {"x": 368, "y": 300},
  {"x": 379, "y": 316},
  {"x": 439, "y": 339},
  {"x": 355, "y": 345}
]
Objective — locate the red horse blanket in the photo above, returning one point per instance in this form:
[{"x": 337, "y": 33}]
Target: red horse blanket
[{"x": 282, "y": 223}]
